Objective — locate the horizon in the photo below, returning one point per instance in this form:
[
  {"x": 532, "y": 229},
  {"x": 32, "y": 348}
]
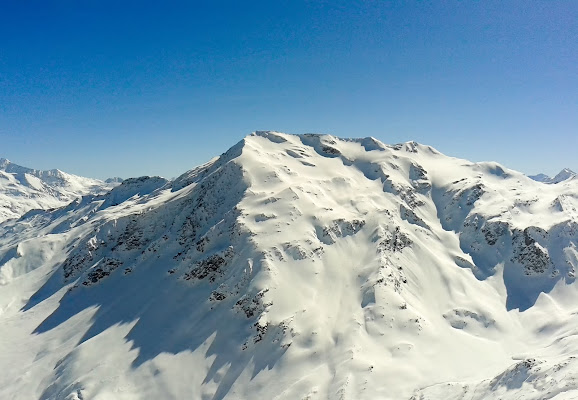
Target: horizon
[{"x": 137, "y": 88}]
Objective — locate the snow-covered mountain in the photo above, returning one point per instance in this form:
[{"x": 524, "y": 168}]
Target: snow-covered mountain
[
  {"x": 561, "y": 176},
  {"x": 23, "y": 189},
  {"x": 298, "y": 267}
]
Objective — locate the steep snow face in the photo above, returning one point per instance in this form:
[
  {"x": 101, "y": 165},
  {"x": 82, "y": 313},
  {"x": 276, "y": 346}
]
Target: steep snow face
[
  {"x": 298, "y": 267},
  {"x": 23, "y": 189},
  {"x": 564, "y": 175}
]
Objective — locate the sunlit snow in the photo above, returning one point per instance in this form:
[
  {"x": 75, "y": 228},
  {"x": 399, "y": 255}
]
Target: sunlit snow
[{"x": 297, "y": 267}]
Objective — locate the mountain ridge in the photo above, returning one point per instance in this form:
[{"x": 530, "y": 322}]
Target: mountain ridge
[
  {"x": 297, "y": 266},
  {"x": 564, "y": 175},
  {"x": 23, "y": 189}
]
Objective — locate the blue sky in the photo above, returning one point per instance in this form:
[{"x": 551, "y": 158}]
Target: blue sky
[{"x": 103, "y": 88}]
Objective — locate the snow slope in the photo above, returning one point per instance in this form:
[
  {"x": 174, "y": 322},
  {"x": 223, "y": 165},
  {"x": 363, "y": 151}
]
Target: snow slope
[
  {"x": 298, "y": 267},
  {"x": 23, "y": 189}
]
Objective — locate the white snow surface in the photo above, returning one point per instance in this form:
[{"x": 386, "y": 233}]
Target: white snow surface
[
  {"x": 23, "y": 189},
  {"x": 298, "y": 267}
]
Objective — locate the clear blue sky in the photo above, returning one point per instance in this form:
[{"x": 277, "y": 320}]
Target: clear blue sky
[{"x": 128, "y": 88}]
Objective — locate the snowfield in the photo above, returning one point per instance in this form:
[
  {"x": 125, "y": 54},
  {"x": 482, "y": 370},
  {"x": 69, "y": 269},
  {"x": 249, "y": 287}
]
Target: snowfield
[
  {"x": 23, "y": 189},
  {"x": 297, "y": 267}
]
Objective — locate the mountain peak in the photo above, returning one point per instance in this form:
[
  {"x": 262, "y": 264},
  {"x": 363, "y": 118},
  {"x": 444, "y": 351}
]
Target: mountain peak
[
  {"x": 327, "y": 266},
  {"x": 564, "y": 175},
  {"x": 23, "y": 189},
  {"x": 10, "y": 167}
]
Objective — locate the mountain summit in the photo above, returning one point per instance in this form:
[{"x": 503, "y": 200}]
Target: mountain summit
[
  {"x": 561, "y": 176},
  {"x": 298, "y": 267}
]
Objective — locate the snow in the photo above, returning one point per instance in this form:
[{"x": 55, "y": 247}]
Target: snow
[
  {"x": 297, "y": 267},
  {"x": 23, "y": 189}
]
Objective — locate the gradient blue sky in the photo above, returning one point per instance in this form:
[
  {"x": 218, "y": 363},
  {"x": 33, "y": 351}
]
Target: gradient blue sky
[{"x": 129, "y": 88}]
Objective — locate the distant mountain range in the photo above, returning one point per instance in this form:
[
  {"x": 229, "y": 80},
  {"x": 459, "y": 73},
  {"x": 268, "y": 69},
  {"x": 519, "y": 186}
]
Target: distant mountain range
[
  {"x": 23, "y": 189},
  {"x": 291, "y": 267},
  {"x": 562, "y": 176}
]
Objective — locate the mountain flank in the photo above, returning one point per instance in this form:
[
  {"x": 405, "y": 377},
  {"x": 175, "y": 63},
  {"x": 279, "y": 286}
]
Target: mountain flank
[{"x": 297, "y": 267}]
